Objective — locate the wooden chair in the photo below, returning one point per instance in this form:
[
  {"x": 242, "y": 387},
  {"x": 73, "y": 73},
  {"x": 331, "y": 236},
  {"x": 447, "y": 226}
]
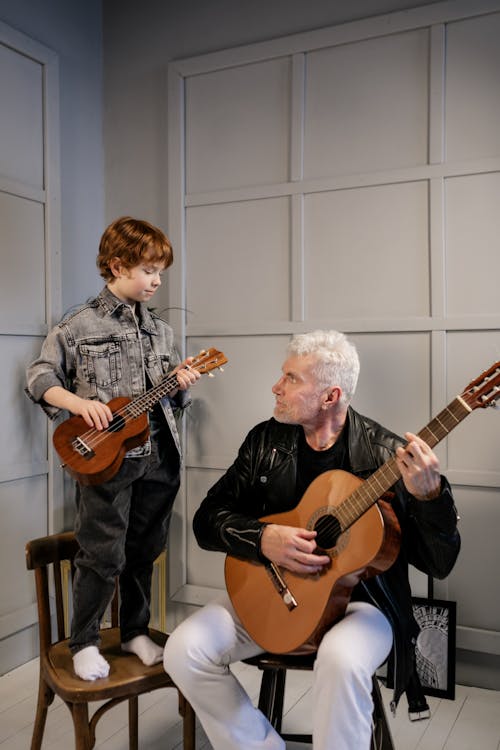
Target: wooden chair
[
  {"x": 128, "y": 677},
  {"x": 272, "y": 693}
]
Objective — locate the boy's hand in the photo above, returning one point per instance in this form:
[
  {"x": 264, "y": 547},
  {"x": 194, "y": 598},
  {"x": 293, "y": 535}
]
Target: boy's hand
[
  {"x": 95, "y": 413},
  {"x": 185, "y": 374}
]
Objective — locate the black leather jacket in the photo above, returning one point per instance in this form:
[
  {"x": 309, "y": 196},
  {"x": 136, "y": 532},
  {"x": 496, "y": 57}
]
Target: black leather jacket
[{"x": 261, "y": 481}]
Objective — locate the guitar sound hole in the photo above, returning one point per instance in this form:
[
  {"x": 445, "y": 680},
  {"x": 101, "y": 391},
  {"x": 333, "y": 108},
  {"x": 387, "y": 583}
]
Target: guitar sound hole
[
  {"x": 328, "y": 531},
  {"x": 116, "y": 424}
]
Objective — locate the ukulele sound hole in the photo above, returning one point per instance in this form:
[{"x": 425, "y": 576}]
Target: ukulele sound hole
[
  {"x": 116, "y": 424},
  {"x": 328, "y": 531}
]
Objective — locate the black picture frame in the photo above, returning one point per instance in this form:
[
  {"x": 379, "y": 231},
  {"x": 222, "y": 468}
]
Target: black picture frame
[{"x": 436, "y": 645}]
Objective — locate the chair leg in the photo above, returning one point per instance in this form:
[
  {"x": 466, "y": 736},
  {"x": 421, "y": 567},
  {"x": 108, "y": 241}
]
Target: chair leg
[
  {"x": 272, "y": 695},
  {"x": 382, "y": 737},
  {"x": 45, "y": 698},
  {"x": 133, "y": 723},
  {"x": 188, "y": 723},
  {"x": 80, "y": 714}
]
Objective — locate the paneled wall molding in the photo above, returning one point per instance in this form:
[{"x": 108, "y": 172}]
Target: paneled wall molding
[
  {"x": 30, "y": 229},
  {"x": 347, "y": 178},
  {"x": 353, "y": 31}
]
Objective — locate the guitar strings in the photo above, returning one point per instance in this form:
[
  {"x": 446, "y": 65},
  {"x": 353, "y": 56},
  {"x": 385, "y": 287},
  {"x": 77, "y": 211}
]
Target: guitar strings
[{"x": 367, "y": 494}]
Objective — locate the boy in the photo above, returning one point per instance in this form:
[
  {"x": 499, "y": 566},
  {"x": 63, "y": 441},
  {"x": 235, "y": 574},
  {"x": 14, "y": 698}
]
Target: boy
[{"x": 115, "y": 346}]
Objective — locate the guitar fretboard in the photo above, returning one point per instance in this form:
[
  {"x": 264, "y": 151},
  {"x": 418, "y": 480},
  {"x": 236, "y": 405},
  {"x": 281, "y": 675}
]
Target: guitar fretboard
[{"x": 367, "y": 494}]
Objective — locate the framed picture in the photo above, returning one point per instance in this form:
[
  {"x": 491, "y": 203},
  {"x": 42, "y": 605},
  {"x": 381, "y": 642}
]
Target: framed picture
[{"x": 435, "y": 648}]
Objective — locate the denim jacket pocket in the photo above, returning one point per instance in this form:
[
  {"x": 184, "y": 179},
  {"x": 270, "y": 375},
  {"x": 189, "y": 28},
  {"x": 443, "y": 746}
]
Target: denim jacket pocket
[
  {"x": 157, "y": 366},
  {"x": 101, "y": 364}
]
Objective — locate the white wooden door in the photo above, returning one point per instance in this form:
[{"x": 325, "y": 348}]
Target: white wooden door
[{"x": 29, "y": 304}]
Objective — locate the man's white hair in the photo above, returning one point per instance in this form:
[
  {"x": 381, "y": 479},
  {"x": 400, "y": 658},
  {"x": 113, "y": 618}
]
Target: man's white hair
[{"x": 337, "y": 361}]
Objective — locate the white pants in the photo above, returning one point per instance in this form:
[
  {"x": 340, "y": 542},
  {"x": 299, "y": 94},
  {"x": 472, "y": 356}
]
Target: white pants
[{"x": 199, "y": 651}]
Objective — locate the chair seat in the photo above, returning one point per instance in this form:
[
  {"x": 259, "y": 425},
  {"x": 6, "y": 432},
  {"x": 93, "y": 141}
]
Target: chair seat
[
  {"x": 126, "y": 670},
  {"x": 272, "y": 693},
  {"x": 282, "y": 661}
]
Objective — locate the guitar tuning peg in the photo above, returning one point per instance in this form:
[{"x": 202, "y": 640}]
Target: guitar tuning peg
[
  {"x": 221, "y": 369},
  {"x": 211, "y": 375}
]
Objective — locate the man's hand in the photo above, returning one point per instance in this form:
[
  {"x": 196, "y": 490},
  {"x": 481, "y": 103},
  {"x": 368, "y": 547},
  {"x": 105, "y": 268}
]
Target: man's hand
[
  {"x": 292, "y": 548},
  {"x": 419, "y": 467}
]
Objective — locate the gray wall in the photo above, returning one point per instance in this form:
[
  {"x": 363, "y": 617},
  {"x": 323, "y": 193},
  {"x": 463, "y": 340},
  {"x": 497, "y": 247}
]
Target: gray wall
[
  {"x": 123, "y": 47},
  {"x": 48, "y": 233},
  {"x": 135, "y": 75},
  {"x": 73, "y": 30}
]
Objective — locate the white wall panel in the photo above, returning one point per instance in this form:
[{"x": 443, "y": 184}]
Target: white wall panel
[
  {"x": 21, "y": 122},
  {"x": 367, "y": 105},
  {"x": 204, "y": 568},
  {"x": 23, "y": 233},
  {"x": 248, "y": 279},
  {"x": 29, "y": 232},
  {"x": 362, "y": 247},
  {"x": 472, "y": 79},
  {"x": 474, "y": 445},
  {"x": 225, "y": 408},
  {"x": 348, "y": 179},
  {"x": 472, "y": 243},
  {"x": 476, "y": 571},
  {"x": 237, "y": 126},
  {"x": 23, "y": 437},
  {"x": 394, "y": 382},
  {"x": 23, "y": 509}
]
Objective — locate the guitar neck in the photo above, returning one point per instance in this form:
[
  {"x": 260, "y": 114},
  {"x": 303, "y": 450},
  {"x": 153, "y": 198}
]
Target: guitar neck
[{"x": 367, "y": 494}]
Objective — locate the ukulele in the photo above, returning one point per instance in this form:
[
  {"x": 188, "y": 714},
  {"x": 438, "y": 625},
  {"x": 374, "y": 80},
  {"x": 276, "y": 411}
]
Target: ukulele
[
  {"x": 286, "y": 612},
  {"x": 93, "y": 456}
]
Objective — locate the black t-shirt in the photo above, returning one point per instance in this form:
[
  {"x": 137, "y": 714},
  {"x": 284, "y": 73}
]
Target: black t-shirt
[{"x": 311, "y": 463}]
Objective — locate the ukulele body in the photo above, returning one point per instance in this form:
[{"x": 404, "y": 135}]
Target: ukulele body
[{"x": 96, "y": 460}]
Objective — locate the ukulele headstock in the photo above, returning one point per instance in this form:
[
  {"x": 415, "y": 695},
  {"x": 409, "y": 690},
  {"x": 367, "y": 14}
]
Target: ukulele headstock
[{"x": 208, "y": 360}]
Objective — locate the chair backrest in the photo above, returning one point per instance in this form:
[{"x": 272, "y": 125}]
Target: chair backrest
[{"x": 54, "y": 552}]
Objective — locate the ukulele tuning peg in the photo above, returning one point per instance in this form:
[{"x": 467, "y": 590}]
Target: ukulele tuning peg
[
  {"x": 211, "y": 375},
  {"x": 221, "y": 369},
  {"x": 202, "y": 351}
]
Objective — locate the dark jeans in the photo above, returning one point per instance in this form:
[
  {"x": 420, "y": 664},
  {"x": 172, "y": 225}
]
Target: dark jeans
[{"x": 122, "y": 527}]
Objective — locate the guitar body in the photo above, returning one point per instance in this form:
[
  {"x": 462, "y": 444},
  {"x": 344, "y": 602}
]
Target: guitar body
[
  {"x": 368, "y": 547},
  {"x": 107, "y": 448}
]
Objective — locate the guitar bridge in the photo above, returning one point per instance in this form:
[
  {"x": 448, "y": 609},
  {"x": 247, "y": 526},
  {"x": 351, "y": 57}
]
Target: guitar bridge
[
  {"x": 81, "y": 447},
  {"x": 279, "y": 584}
]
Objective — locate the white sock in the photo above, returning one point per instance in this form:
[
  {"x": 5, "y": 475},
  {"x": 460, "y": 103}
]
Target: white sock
[
  {"x": 147, "y": 650},
  {"x": 89, "y": 664}
]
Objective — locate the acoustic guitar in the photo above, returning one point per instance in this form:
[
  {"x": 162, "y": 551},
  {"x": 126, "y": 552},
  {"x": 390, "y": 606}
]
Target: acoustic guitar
[
  {"x": 285, "y": 612},
  {"x": 93, "y": 456}
]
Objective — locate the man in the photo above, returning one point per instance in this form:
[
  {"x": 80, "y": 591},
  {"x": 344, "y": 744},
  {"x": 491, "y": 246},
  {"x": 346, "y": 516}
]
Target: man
[{"x": 314, "y": 430}]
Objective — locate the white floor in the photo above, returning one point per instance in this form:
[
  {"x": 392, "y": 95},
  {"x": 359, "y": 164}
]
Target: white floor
[{"x": 470, "y": 722}]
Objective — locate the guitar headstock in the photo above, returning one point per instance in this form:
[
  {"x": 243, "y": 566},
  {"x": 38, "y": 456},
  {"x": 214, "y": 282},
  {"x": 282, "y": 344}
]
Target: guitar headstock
[
  {"x": 208, "y": 360},
  {"x": 484, "y": 390}
]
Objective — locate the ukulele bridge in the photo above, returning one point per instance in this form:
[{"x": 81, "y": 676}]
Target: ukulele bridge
[
  {"x": 279, "y": 584},
  {"x": 81, "y": 447}
]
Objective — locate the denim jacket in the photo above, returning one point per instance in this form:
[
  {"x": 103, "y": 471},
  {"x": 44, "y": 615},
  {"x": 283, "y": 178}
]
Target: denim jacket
[{"x": 101, "y": 351}]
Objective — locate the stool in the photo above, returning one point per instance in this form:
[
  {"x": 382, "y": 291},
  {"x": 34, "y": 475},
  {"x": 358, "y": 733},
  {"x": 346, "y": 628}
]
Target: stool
[{"x": 272, "y": 694}]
